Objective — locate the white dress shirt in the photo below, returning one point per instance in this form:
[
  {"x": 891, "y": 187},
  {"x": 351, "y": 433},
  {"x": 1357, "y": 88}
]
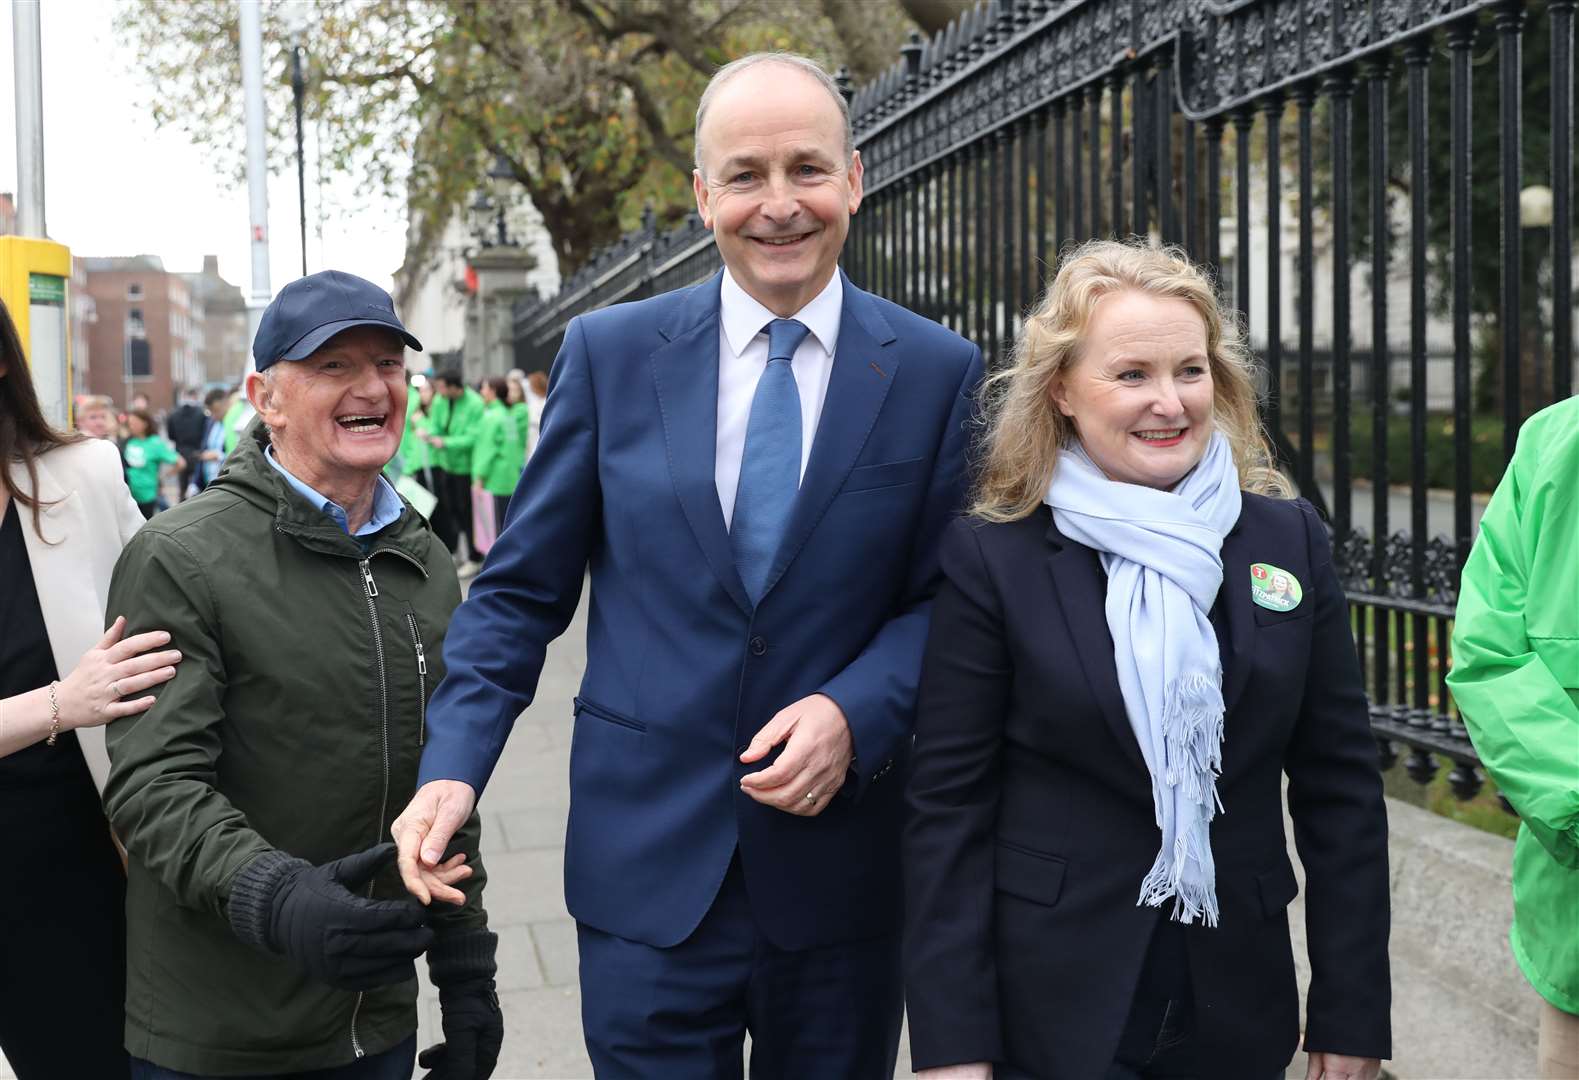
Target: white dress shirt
[{"x": 743, "y": 357}]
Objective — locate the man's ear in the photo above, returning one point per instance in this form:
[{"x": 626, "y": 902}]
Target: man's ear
[
  {"x": 699, "y": 188},
  {"x": 260, "y": 392},
  {"x": 857, "y": 176}
]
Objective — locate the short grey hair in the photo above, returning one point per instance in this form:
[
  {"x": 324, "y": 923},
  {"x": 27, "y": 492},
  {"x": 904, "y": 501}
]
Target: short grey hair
[{"x": 788, "y": 59}]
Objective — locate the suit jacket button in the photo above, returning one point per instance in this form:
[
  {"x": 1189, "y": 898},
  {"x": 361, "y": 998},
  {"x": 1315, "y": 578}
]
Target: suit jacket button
[{"x": 758, "y": 646}]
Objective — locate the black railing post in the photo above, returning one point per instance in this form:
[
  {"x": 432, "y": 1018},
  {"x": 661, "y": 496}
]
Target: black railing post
[
  {"x": 1461, "y": 42},
  {"x": 1339, "y": 89},
  {"x": 1115, "y": 86},
  {"x": 1377, "y": 71},
  {"x": 1510, "y": 51},
  {"x": 1561, "y": 13},
  {"x": 1417, "y": 58},
  {"x": 1139, "y": 117},
  {"x": 1095, "y": 92},
  {"x": 1043, "y": 184},
  {"x": 1272, "y": 108},
  {"x": 1060, "y": 181},
  {"x": 1214, "y": 201},
  {"x": 1077, "y": 168},
  {"x": 1162, "y": 105},
  {"x": 1244, "y": 119},
  {"x": 1304, "y": 102}
]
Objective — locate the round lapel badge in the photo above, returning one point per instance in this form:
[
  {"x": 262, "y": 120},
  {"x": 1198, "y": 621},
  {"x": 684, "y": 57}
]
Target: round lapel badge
[{"x": 1274, "y": 588}]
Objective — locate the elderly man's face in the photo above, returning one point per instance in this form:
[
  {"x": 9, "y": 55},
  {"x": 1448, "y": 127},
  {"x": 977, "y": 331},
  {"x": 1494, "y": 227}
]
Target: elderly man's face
[
  {"x": 775, "y": 186},
  {"x": 339, "y": 413}
]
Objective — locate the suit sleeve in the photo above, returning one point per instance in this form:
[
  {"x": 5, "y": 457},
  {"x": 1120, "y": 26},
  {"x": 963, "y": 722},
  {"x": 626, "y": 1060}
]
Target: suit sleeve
[
  {"x": 1521, "y": 718},
  {"x": 951, "y": 982},
  {"x": 529, "y": 590},
  {"x": 877, "y": 691},
  {"x": 161, "y": 795},
  {"x": 1340, "y": 830}
]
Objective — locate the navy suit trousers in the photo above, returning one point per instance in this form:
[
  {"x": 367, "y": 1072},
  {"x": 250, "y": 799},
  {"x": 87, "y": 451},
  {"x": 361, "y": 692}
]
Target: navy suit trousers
[{"x": 650, "y": 1013}]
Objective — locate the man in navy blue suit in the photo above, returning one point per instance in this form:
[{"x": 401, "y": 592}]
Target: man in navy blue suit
[{"x": 756, "y": 471}]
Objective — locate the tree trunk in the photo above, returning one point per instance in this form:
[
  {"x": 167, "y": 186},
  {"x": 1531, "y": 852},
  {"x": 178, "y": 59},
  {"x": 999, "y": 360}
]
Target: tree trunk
[{"x": 932, "y": 15}]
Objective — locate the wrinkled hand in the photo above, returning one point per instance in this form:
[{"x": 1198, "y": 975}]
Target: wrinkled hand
[
  {"x": 111, "y": 670},
  {"x": 473, "y": 1033},
  {"x": 422, "y": 832},
  {"x": 978, "y": 1070},
  {"x": 339, "y": 937},
  {"x": 1340, "y": 1067},
  {"x": 817, "y": 753}
]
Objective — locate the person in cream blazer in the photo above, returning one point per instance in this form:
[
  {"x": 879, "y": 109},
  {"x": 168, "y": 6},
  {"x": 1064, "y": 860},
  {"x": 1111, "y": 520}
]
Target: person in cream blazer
[{"x": 65, "y": 514}]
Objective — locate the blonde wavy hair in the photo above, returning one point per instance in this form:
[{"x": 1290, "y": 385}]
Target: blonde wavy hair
[{"x": 1024, "y": 429}]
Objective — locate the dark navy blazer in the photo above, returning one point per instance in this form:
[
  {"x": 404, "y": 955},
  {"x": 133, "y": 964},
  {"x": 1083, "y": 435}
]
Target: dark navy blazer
[
  {"x": 682, "y": 670},
  {"x": 1031, "y": 821}
]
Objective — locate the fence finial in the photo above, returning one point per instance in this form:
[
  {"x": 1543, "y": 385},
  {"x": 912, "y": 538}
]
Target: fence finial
[
  {"x": 846, "y": 88},
  {"x": 911, "y": 50}
]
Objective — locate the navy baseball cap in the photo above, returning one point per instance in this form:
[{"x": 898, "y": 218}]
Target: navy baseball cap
[{"x": 311, "y": 310}]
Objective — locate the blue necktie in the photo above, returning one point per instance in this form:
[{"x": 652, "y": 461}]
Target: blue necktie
[{"x": 770, "y": 463}]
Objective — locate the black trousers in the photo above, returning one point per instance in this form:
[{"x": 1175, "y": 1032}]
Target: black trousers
[
  {"x": 452, "y": 518},
  {"x": 62, "y": 937}
]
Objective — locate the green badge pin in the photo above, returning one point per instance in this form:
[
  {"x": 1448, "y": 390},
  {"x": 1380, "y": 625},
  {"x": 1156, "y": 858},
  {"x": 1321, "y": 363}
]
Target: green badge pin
[{"x": 1274, "y": 588}]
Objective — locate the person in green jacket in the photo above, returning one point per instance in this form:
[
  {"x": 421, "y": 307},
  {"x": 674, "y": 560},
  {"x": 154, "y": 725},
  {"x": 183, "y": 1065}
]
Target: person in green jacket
[
  {"x": 1515, "y": 677},
  {"x": 267, "y": 933},
  {"x": 145, "y": 452},
  {"x": 235, "y": 421},
  {"x": 520, "y": 411},
  {"x": 452, "y": 430},
  {"x": 497, "y": 455}
]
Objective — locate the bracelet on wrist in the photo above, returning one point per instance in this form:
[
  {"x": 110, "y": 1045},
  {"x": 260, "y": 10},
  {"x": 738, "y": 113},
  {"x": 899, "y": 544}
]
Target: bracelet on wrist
[{"x": 54, "y": 717}]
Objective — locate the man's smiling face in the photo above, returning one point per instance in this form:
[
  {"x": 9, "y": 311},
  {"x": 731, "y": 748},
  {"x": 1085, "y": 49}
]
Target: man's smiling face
[
  {"x": 775, "y": 186},
  {"x": 341, "y": 411}
]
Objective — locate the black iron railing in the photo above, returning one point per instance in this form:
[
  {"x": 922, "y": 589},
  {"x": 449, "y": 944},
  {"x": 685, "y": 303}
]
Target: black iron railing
[{"x": 1027, "y": 126}]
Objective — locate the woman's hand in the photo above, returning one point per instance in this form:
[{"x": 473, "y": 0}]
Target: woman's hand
[
  {"x": 111, "y": 670},
  {"x": 979, "y": 1070},
  {"x": 1339, "y": 1067}
]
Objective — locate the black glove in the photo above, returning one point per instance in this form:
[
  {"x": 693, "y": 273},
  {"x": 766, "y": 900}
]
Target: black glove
[
  {"x": 312, "y": 915},
  {"x": 461, "y": 965}
]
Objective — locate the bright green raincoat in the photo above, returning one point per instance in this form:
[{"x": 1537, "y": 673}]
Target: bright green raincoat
[
  {"x": 497, "y": 455},
  {"x": 457, "y": 423},
  {"x": 1515, "y": 677}
]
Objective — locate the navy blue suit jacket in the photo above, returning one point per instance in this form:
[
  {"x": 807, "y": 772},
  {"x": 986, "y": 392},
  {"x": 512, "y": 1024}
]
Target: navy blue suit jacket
[
  {"x": 1031, "y": 820},
  {"x": 682, "y": 670}
]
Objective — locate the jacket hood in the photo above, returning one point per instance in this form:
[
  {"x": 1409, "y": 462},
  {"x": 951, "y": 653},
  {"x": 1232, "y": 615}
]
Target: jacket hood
[{"x": 247, "y": 475}]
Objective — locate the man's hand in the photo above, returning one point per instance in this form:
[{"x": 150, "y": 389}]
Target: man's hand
[
  {"x": 976, "y": 1070},
  {"x": 473, "y": 1033},
  {"x": 422, "y": 832},
  {"x": 315, "y": 917},
  {"x": 817, "y": 753},
  {"x": 1339, "y": 1067}
]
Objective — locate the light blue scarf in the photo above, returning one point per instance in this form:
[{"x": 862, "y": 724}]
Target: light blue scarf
[{"x": 1162, "y": 553}]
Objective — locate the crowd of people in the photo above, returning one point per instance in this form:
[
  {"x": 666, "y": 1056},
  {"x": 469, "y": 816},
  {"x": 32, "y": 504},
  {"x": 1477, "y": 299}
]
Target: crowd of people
[{"x": 905, "y": 686}]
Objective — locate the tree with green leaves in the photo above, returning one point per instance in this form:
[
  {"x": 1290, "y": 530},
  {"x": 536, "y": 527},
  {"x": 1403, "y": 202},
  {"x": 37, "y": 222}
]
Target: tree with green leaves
[{"x": 588, "y": 102}]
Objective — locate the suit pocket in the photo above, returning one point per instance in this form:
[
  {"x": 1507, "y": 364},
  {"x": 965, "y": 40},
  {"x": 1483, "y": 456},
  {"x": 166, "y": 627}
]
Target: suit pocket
[
  {"x": 890, "y": 474},
  {"x": 1277, "y": 887},
  {"x": 1268, "y": 617},
  {"x": 1030, "y": 875},
  {"x": 585, "y": 706}
]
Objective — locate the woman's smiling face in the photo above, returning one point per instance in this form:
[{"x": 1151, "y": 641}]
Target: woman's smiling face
[{"x": 1140, "y": 395}]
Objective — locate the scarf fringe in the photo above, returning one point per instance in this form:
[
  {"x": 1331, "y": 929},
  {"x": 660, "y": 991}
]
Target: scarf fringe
[
  {"x": 1192, "y": 730},
  {"x": 1195, "y": 898}
]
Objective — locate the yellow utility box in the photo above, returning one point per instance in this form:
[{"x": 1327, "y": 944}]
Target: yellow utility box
[{"x": 34, "y": 279}]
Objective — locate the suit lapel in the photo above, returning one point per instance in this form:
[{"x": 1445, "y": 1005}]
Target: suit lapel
[
  {"x": 685, "y": 373},
  {"x": 1234, "y": 607},
  {"x": 1081, "y": 589},
  {"x": 864, "y": 367}
]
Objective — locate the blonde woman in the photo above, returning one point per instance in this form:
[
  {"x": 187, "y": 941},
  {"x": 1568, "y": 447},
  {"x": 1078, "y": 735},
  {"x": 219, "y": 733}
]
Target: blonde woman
[{"x": 1096, "y": 877}]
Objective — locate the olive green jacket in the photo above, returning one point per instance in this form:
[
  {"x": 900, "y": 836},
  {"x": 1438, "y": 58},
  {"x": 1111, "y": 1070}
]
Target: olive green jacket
[
  {"x": 497, "y": 455},
  {"x": 457, "y": 423},
  {"x": 294, "y": 723},
  {"x": 1515, "y": 678}
]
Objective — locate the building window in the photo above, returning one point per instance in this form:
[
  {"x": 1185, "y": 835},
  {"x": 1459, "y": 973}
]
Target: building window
[{"x": 134, "y": 291}]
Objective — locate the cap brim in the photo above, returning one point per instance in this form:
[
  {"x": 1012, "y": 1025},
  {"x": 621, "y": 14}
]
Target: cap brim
[{"x": 314, "y": 340}]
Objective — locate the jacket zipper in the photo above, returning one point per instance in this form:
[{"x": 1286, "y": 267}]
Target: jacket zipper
[
  {"x": 422, "y": 681},
  {"x": 370, "y": 587}
]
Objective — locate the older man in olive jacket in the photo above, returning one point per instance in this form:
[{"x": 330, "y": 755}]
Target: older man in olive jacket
[{"x": 267, "y": 932}]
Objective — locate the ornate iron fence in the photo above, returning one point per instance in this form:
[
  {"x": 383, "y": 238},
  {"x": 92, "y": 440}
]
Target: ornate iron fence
[{"x": 1027, "y": 126}]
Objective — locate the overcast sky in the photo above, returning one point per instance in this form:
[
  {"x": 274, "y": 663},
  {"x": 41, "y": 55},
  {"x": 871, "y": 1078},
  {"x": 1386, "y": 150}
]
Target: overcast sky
[{"x": 117, "y": 185}]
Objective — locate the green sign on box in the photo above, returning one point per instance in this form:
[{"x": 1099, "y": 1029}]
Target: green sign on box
[{"x": 46, "y": 289}]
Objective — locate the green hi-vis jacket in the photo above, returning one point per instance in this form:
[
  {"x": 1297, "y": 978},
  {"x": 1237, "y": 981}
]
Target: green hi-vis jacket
[
  {"x": 498, "y": 455},
  {"x": 456, "y": 422},
  {"x": 415, "y": 453},
  {"x": 1515, "y": 677}
]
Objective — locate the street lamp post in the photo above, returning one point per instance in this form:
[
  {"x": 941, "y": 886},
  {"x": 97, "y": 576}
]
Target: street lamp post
[{"x": 298, "y": 92}]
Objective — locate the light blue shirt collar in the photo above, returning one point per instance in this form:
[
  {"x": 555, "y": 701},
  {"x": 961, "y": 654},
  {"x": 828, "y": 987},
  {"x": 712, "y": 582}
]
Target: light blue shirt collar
[{"x": 387, "y": 506}]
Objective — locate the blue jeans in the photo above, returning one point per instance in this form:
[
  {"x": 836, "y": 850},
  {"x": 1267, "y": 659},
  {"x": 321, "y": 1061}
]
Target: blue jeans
[{"x": 393, "y": 1064}]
